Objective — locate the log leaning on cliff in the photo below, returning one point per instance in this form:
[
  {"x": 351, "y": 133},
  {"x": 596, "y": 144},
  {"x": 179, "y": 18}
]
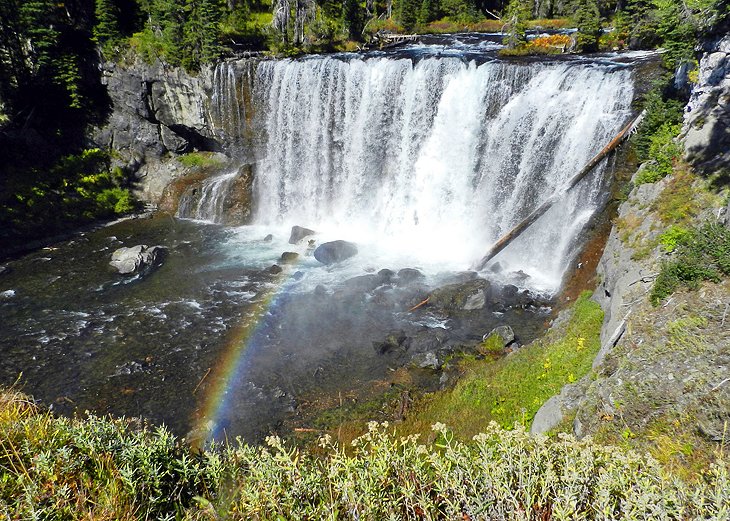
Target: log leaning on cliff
[{"x": 544, "y": 207}]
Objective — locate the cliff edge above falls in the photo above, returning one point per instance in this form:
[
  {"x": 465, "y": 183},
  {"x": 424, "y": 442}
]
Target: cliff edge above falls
[
  {"x": 663, "y": 372},
  {"x": 159, "y": 112}
]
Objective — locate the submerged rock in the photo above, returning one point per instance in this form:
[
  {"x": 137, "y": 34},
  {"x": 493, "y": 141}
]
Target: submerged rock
[
  {"x": 288, "y": 257},
  {"x": 137, "y": 259},
  {"x": 275, "y": 269},
  {"x": 298, "y": 233},
  {"x": 335, "y": 251}
]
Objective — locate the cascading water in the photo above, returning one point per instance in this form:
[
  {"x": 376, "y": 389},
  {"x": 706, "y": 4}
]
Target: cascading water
[{"x": 427, "y": 163}]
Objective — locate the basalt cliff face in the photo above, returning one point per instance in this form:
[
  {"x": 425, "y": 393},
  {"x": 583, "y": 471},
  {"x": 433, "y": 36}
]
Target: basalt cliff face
[
  {"x": 158, "y": 112},
  {"x": 707, "y": 121}
]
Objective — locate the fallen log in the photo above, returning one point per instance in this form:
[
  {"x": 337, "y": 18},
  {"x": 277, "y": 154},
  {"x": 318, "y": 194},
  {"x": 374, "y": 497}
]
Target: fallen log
[{"x": 515, "y": 232}]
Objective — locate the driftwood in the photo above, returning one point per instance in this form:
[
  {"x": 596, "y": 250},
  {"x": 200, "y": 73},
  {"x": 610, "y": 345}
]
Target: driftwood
[
  {"x": 422, "y": 303},
  {"x": 544, "y": 207}
]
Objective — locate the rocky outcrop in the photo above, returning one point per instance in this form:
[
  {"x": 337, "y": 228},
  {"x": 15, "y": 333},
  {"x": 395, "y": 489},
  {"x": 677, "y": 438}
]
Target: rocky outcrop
[
  {"x": 158, "y": 112},
  {"x": 140, "y": 259},
  {"x": 155, "y": 109},
  {"x": 707, "y": 120}
]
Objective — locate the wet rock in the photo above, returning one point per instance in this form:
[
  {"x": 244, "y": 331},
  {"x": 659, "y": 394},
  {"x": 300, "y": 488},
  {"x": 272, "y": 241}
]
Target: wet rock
[
  {"x": 428, "y": 360},
  {"x": 455, "y": 297},
  {"x": 335, "y": 251},
  {"x": 429, "y": 340},
  {"x": 409, "y": 275},
  {"x": 459, "y": 278},
  {"x": 269, "y": 238},
  {"x": 4, "y": 270},
  {"x": 504, "y": 332},
  {"x": 394, "y": 340},
  {"x": 288, "y": 257},
  {"x": 298, "y": 233},
  {"x": 476, "y": 301},
  {"x": 137, "y": 259},
  {"x": 519, "y": 276},
  {"x": 386, "y": 275},
  {"x": 363, "y": 283},
  {"x": 298, "y": 275},
  {"x": 275, "y": 269},
  {"x": 496, "y": 268},
  {"x": 320, "y": 290}
]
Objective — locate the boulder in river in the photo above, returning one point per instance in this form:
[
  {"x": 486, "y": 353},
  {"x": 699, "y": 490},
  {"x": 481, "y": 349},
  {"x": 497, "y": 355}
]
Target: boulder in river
[
  {"x": 409, "y": 275},
  {"x": 335, "y": 251},
  {"x": 298, "y": 233},
  {"x": 137, "y": 259},
  {"x": 288, "y": 257}
]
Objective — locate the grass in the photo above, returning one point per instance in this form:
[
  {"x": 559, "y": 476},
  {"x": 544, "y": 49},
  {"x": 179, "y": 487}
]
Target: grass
[
  {"x": 199, "y": 160},
  {"x": 700, "y": 254},
  {"x": 513, "y": 388},
  {"x": 97, "y": 468}
]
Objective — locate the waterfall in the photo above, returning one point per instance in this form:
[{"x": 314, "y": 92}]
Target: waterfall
[
  {"x": 208, "y": 203},
  {"x": 427, "y": 161}
]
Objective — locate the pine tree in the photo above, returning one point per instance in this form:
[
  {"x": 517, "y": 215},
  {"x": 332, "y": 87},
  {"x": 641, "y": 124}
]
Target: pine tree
[
  {"x": 515, "y": 18},
  {"x": 201, "y": 33},
  {"x": 429, "y": 11},
  {"x": 408, "y": 13},
  {"x": 587, "y": 19},
  {"x": 354, "y": 17},
  {"x": 106, "y": 29}
]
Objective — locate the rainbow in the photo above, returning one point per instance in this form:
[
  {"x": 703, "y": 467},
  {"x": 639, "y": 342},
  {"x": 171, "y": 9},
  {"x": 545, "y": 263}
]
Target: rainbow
[{"x": 221, "y": 378}]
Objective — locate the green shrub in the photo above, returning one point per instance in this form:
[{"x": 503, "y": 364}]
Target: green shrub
[
  {"x": 664, "y": 151},
  {"x": 702, "y": 254},
  {"x": 98, "y": 468},
  {"x": 663, "y": 118},
  {"x": 672, "y": 237}
]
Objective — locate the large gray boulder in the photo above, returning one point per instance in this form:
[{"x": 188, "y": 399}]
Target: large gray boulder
[
  {"x": 298, "y": 233},
  {"x": 137, "y": 259},
  {"x": 335, "y": 251}
]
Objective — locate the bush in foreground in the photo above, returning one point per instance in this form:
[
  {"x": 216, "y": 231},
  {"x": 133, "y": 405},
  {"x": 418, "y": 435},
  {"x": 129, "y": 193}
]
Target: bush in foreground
[{"x": 94, "y": 468}]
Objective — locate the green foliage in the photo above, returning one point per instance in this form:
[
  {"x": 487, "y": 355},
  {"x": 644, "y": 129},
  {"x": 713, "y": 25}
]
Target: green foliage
[
  {"x": 677, "y": 32},
  {"x": 354, "y": 18},
  {"x": 408, "y": 12},
  {"x": 106, "y": 30},
  {"x": 703, "y": 254},
  {"x": 673, "y": 236},
  {"x": 513, "y": 388},
  {"x": 587, "y": 19},
  {"x": 199, "y": 160},
  {"x": 663, "y": 152},
  {"x": 76, "y": 189},
  {"x": 663, "y": 115},
  {"x": 515, "y": 19},
  {"x": 96, "y": 468}
]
